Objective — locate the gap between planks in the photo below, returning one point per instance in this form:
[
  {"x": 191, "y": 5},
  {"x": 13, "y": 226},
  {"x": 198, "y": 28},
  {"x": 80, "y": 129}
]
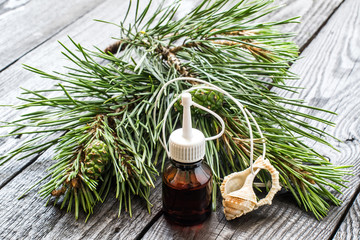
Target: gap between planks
[
  {"x": 336, "y": 232},
  {"x": 41, "y": 43},
  {"x": 303, "y": 47},
  {"x": 28, "y": 24}
]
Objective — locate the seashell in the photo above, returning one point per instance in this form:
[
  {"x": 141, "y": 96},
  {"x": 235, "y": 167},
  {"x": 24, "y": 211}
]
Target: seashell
[{"x": 238, "y": 194}]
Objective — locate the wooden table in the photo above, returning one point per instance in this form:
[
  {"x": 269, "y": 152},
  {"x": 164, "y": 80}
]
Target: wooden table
[{"x": 329, "y": 37}]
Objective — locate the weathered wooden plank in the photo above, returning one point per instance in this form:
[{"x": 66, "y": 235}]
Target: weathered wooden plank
[
  {"x": 36, "y": 220},
  {"x": 27, "y": 24},
  {"x": 40, "y": 222},
  {"x": 47, "y": 57},
  {"x": 350, "y": 227},
  {"x": 330, "y": 72},
  {"x": 313, "y": 15}
]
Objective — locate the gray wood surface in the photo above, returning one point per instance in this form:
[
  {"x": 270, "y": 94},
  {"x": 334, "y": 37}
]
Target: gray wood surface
[
  {"x": 49, "y": 58},
  {"x": 350, "y": 227},
  {"x": 330, "y": 72},
  {"x": 36, "y": 220},
  {"x": 313, "y": 15},
  {"x": 29, "y": 218},
  {"x": 27, "y": 24}
]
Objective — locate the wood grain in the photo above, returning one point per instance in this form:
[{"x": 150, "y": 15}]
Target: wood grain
[
  {"x": 28, "y": 218},
  {"x": 48, "y": 57},
  {"x": 36, "y": 220},
  {"x": 330, "y": 72},
  {"x": 50, "y": 222},
  {"x": 350, "y": 227},
  {"x": 313, "y": 14},
  {"x": 27, "y": 24}
]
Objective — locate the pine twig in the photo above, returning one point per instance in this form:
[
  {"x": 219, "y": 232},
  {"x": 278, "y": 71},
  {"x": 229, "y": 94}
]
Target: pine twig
[
  {"x": 114, "y": 47},
  {"x": 112, "y": 103}
]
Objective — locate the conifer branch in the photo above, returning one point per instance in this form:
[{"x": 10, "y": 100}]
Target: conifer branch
[{"x": 111, "y": 104}]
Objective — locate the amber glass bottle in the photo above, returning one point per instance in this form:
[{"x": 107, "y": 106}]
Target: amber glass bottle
[
  {"x": 187, "y": 179},
  {"x": 187, "y": 189}
]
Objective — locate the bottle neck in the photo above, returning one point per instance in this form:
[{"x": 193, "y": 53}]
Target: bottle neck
[{"x": 186, "y": 166}]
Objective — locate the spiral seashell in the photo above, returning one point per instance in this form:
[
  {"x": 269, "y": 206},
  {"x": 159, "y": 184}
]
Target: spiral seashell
[
  {"x": 235, "y": 207},
  {"x": 238, "y": 194}
]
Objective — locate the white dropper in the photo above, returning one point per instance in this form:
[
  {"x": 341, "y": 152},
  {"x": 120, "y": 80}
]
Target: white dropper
[
  {"x": 211, "y": 86},
  {"x": 187, "y": 125},
  {"x": 187, "y": 144}
]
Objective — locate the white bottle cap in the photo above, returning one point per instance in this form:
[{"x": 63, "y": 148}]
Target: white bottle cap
[{"x": 187, "y": 144}]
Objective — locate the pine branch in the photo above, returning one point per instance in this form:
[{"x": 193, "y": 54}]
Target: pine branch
[{"x": 216, "y": 42}]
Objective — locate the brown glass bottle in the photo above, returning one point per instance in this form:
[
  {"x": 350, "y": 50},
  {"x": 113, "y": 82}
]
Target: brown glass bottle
[{"x": 187, "y": 192}]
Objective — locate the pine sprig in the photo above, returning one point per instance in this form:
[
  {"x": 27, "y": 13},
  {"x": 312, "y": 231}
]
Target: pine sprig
[{"x": 219, "y": 42}]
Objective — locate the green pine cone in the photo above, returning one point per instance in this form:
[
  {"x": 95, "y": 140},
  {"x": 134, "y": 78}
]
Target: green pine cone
[
  {"x": 210, "y": 99},
  {"x": 96, "y": 159}
]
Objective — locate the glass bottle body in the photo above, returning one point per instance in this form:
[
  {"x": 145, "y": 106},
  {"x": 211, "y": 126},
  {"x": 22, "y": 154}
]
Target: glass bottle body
[{"x": 187, "y": 192}]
